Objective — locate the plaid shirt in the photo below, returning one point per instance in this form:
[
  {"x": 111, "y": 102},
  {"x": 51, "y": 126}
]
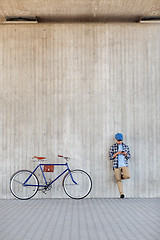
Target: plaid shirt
[{"x": 114, "y": 149}]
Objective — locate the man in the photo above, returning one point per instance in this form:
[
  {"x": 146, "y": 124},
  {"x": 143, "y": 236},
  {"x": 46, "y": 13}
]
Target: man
[{"x": 120, "y": 154}]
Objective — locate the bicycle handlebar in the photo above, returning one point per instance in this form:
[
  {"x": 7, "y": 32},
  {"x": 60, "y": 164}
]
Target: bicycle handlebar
[{"x": 66, "y": 158}]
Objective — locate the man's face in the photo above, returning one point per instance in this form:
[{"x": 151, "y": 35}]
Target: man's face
[{"x": 118, "y": 142}]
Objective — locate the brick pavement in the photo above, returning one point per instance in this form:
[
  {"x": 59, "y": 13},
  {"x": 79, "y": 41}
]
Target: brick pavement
[{"x": 87, "y": 219}]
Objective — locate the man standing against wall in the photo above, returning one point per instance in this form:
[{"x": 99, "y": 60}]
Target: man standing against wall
[{"x": 120, "y": 154}]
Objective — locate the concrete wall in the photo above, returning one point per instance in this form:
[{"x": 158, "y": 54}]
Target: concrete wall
[
  {"x": 68, "y": 88},
  {"x": 81, "y": 11}
]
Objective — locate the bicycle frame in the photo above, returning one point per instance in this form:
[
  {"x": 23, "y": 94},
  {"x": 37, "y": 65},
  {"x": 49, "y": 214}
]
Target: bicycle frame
[{"x": 48, "y": 184}]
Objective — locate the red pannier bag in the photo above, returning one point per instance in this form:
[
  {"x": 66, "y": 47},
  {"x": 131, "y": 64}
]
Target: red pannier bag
[{"x": 48, "y": 168}]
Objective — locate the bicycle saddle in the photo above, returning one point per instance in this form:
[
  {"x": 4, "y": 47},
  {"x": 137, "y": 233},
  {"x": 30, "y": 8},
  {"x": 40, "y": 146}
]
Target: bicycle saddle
[{"x": 40, "y": 158}]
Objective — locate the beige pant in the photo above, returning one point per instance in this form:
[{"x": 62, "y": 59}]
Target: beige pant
[{"x": 121, "y": 173}]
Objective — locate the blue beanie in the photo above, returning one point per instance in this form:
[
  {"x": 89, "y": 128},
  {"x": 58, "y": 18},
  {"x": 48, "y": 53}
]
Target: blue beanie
[{"x": 119, "y": 137}]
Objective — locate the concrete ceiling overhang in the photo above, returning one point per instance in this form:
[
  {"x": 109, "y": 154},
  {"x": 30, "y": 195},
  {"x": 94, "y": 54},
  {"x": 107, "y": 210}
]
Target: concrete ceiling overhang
[{"x": 80, "y": 10}]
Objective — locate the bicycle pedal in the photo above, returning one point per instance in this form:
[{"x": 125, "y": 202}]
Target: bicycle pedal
[{"x": 42, "y": 190}]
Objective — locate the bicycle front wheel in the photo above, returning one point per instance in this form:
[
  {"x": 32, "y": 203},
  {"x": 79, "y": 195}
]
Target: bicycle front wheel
[
  {"x": 79, "y": 185},
  {"x": 18, "y": 188}
]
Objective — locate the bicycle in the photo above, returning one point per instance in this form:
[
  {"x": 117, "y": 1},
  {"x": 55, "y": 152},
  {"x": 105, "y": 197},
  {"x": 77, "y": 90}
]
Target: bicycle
[{"x": 24, "y": 184}]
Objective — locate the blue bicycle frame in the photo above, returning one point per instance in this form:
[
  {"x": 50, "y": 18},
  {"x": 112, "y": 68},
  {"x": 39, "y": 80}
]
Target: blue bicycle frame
[{"x": 48, "y": 184}]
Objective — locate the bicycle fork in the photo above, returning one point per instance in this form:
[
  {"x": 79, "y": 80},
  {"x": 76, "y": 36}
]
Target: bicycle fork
[{"x": 71, "y": 174}]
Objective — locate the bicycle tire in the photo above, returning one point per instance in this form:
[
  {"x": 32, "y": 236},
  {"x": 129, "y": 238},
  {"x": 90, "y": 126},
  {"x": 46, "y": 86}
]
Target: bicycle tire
[
  {"x": 16, "y": 184},
  {"x": 83, "y": 186}
]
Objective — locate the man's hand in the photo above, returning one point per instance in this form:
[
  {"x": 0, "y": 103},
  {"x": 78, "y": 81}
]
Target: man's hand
[
  {"x": 124, "y": 153},
  {"x": 117, "y": 153},
  {"x": 120, "y": 152}
]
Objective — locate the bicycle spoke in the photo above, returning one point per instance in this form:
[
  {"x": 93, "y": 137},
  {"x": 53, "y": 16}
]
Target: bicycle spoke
[{"x": 17, "y": 181}]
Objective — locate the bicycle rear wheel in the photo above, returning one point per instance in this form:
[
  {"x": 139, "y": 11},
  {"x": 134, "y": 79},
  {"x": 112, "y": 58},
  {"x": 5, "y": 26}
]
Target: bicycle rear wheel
[
  {"x": 80, "y": 187},
  {"x": 21, "y": 191}
]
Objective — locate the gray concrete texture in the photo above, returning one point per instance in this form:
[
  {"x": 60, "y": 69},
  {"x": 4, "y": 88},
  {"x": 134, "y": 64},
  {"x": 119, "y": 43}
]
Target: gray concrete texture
[
  {"x": 68, "y": 88},
  {"x": 88, "y": 219},
  {"x": 82, "y": 11}
]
